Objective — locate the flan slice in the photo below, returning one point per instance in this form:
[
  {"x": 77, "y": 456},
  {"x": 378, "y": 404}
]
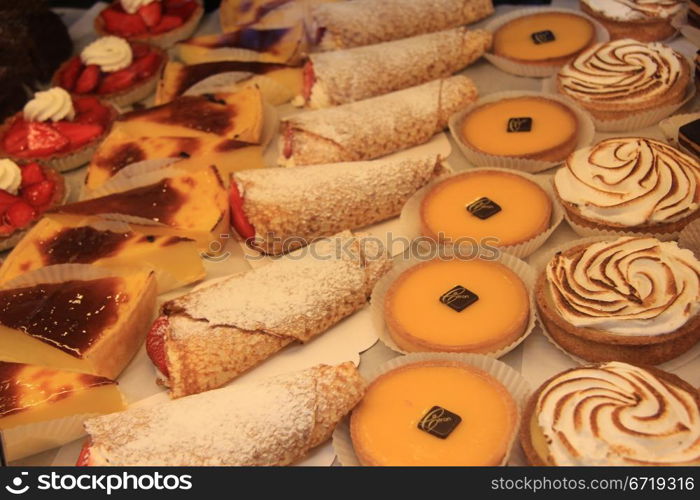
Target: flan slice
[
  {"x": 90, "y": 325},
  {"x": 236, "y": 115},
  {"x": 78, "y": 240},
  {"x": 183, "y": 202},
  {"x": 121, "y": 149},
  {"x": 277, "y": 82}
]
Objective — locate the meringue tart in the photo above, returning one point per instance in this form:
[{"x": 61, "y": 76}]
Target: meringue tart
[
  {"x": 629, "y": 299},
  {"x": 612, "y": 414},
  {"x": 638, "y": 19},
  {"x": 413, "y": 416}
]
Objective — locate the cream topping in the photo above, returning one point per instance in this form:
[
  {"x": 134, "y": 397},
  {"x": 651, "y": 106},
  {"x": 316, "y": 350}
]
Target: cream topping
[
  {"x": 628, "y": 287},
  {"x": 110, "y": 53},
  {"x": 629, "y": 10},
  {"x": 10, "y": 176},
  {"x": 54, "y": 104},
  {"x": 132, "y": 6},
  {"x": 618, "y": 414},
  {"x": 623, "y": 71},
  {"x": 630, "y": 181}
]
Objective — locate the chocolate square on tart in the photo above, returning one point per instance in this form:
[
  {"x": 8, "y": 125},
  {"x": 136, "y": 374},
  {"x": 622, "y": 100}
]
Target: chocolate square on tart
[
  {"x": 459, "y": 298},
  {"x": 483, "y": 208},
  {"x": 689, "y": 138},
  {"x": 439, "y": 422},
  {"x": 519, "y": 124},
  {"x": 540, "y": 37}
]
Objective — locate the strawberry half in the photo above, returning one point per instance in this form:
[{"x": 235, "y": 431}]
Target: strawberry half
[
  {"x": 6, "y": 200},
  {"x": 151, "y": 13},
  {"x": 79, "y": 133},
  {"x": 41, "y": 194},
  {"x": 91, "y": 110},
  {"x": 121, "y": 23},
  {"x": 70, "y": 73},
  {"x": 88, "y": 79},
  {"x": 139, "y": 50},
  {"x": 43, "y": 139},
  {"x": 146, "y": 66},
  {"x": 15, "y": 140},
  {"x": 32, "y": 174},
  {"x": 155, "y": 344},
  {"x": 117, "y": 81},
  {"x": 20, "y": 214},
  {"x": 181, "y": 9},
  {"x": 166, "y": 24}
]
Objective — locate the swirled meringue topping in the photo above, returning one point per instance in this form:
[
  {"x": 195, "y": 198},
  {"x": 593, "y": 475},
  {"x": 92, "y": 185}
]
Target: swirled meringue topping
[
  {"x": 629, "y": 287},
  {"x": 621, "y": 71},
  {"x": 54, "y": 104},
  {"x": 627, "y": 10},
  {"x": 618, "y": 414},
  {"x": 10, "y": 176},
  {"x": 110, "y": 53},
  {"x": 131, "y": 6},
  {"x": 630, "y": 181}
]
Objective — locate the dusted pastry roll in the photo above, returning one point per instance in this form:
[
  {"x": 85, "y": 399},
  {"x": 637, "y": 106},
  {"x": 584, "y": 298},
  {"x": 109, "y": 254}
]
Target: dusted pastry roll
[
  {"x": 278, "y": 210},
  {"x": 364, "y": 22},
  {"x": 208, "y": 337},
  {"x": 273, "y": 422},
  {"x": 368, "y": 129},
  {"x": 343, "y": 76}
]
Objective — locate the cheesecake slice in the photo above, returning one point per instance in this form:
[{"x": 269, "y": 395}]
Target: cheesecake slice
[
  {"x": 90, "y": 325},
  {"x": 190, "y": 203},
  {"x": 79, "y": 240}
]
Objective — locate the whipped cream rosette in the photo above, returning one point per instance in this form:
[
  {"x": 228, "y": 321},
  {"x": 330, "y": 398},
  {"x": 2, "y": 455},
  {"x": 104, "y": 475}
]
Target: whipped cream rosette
[
  {"x": 613, "y": 414},
  {"x": 629, "y": 185}
]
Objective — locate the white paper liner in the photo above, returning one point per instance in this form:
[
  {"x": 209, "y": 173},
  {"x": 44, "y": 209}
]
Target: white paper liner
[
  {"x": 64, "y": 272},
  {"x": 410, "y": 215},
  {"x": 231, "y": 81},
  {"x": 514, "y": 383},
  {"x": 670, "y": 126},
  {"x": 535, "y": 70},
  {"x": 690, "y": 237},
  {"x": 586, "y": 232},
  {"x": 546, "y": 257},
  {"x": 633, "y": 121},
  {"x": 524, "y": 271},
  {"x": 585, "y": 134},
  {"x": 680, "y": 22}
]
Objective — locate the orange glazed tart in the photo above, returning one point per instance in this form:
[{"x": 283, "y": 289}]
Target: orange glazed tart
[
  {"x": 434, "y": 413},
  {"x": 457, "y": 306},
  {"x": 157, "y": 22}
]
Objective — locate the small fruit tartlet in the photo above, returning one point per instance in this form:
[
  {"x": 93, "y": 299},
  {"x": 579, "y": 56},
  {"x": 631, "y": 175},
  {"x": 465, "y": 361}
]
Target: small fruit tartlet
[
  {"x": 113, "y": 69},
  {"x": 158, "y": 22},
  {"x": 26, "y": 192},
  {"x": 56, "y": 129}
]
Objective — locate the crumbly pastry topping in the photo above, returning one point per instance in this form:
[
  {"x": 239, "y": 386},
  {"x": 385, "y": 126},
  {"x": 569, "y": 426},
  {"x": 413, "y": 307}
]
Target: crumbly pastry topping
[
  {"x": 628, "y": 287},
  {"x": 54, "y": 104},
  {"x": 132, "y": 6},
  {"x": 10, "y": 176},
  {"x": 618, "y": 414},
  {"x": 630, "y": 10},
  {"x": 622, "y": 71},
  {"x": 110, "y": 53},
  {"x": 630, "y": 181}
]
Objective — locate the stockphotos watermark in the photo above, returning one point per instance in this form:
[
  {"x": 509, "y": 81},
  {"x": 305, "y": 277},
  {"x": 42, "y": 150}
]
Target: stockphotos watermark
[
  {"x": 98, "y": 482},
  {"x": 371, "y": 248}
]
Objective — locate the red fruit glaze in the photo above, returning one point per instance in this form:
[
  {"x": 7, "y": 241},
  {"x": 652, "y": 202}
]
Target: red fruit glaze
[{"x": 309, "y": 80}]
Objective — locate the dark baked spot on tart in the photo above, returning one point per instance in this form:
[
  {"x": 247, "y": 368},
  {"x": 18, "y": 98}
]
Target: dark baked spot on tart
[
  {"x": 10, "y": 388},
  {"x": 126, "y": 154},
  {"x": 81, "y": 245},
  {"x": 198, "y": 113}
]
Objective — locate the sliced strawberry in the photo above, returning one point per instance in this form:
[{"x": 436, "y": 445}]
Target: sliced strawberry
[
  {"x": 91, "y": 110},
  {"x": 6, "y": 200},
  {"x": 70, "y": 73},
  {"x": 20, "y": 214},
  {"x": 39, "y": 195},
  {"x": 88, "y": 79},
  {"x": 43, "y": 139},
  {"x": 155, "y": 344},
  {"x": 121, "y": 23},
  {"x": 239, "y": 220},
  {"x": 119, "y": 80},
  {"x": 166, "y": 24},
  {"x": 84, "y": 457},
  {"x": 32, "y": 174},
  {"x": 146, "y": 66},
  {"x": 139, "y": 50},
  {"x": 151, "y": 13},
  {"x": 79, "y": 133},
  {"x": 16, "y": 138}
]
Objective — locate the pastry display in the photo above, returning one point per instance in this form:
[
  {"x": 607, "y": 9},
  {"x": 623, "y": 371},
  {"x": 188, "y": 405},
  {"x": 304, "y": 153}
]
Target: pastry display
[
  {"x": 614, "y": 79},
  {"x": 631, "y": 299},
  {"x": 332, "y": 78},
  {"x": 630, "y": 184},
  {"x": 368, "y": 129},
  {"x": 413, "y": 416},
  {"x": 79, "y": 240},
  {"x": 544, "y": 38},
  {"x": 88, "y": 325},
  {"x": 643, "y": 20},
  {"x": 278, "y": 210},
  {"x": 26, "y": 192},
  {"x": 56, "y": 129},
  {"x": 456, "y": 305},
  {"x": 532, "y": 127},
  {"x": 689, "y": 138},
  {"x": 208, "y": 337},
  {"x": 113, "y": 69},
  {"x": 507, "y": 208},
  {"x": 613, "y": 414},
  {"x": 284, "y": 417},
  {"x": 157, "y": 22},
  {"x": 340, "y": 25}
]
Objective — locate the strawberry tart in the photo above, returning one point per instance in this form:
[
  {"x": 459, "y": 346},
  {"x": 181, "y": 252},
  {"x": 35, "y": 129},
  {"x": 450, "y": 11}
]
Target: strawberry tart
[
  {"x": 56, "y": 129},
  {"x": 158, "y": 22},
  {"x": 113, "y": 69},
  {"x": 26, "y": 192}
]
